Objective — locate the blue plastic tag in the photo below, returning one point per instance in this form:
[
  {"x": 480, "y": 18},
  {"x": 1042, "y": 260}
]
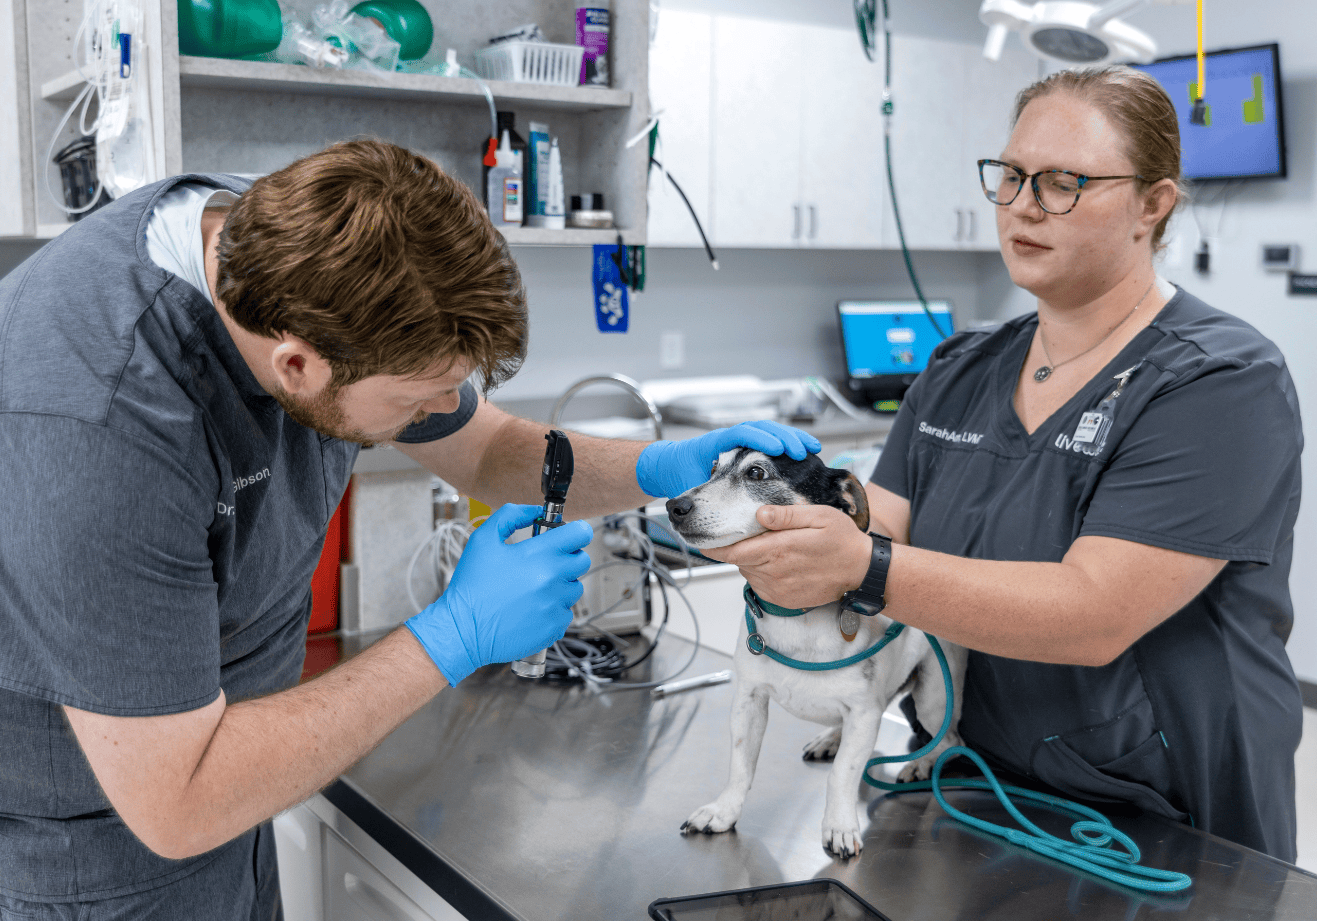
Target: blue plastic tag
[{"x": 611, "y": 305}]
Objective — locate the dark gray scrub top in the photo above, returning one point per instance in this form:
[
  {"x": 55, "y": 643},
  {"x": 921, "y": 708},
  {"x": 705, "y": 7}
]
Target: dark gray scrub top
[
  {"x": 160, "y": 518},
  {"x": 1199, "y": 719}
]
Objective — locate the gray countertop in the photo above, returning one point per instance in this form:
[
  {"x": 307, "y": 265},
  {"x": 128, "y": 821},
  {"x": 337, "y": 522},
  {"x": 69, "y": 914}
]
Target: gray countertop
[{"x": 526, "y": 800}]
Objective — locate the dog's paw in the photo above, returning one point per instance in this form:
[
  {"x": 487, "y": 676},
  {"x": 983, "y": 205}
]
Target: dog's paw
[
  {"x": 917, "y": 770},
  {"x": 842, "y": 842},
  {"x": 823, "y": 747},
  {"x": 712, "y": 819}
]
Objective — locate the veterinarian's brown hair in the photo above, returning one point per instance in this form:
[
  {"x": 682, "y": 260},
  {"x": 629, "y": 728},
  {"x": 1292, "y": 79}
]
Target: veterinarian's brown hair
[
  {"x": 379, "y": 260},
  {"x": 1139, "y": 108}
]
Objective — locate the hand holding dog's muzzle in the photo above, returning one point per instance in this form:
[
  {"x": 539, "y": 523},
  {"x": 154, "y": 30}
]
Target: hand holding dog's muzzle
[
  {"x": 810, "y": 555},
  {"x": 505, "y": 601},
  {"x": 669, "y": 468}
]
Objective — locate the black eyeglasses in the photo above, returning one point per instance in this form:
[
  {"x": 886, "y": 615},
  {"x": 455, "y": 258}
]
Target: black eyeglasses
[{"x": 1056, "y": 190}]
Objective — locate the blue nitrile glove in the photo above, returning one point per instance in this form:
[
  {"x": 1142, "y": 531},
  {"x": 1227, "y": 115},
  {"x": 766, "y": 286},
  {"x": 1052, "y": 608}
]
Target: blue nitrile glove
[
  {"x": 505, "y": 601},
  {"x": 669, "y": 468}
]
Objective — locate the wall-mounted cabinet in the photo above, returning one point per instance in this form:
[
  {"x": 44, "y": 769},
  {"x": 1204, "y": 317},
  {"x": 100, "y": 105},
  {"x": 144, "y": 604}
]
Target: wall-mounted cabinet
[
  {"x": 953, "y": 108},
  {"x": 795, "y": 122},
  {"x": 241, "y": 116},
  {"x": 680, "y": 70},
  {"x": 775, "y": 131}
]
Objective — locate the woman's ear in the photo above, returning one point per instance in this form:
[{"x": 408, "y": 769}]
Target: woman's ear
[{"x": 1158, "y": 201}]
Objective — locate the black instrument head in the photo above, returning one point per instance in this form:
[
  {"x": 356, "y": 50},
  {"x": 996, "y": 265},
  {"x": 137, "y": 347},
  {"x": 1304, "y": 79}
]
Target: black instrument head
[{"x": 557, "y": 475}]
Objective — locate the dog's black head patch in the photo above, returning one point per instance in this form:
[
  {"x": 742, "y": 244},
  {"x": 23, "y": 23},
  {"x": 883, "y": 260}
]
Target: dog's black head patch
[{"x": 780, "y": 480}]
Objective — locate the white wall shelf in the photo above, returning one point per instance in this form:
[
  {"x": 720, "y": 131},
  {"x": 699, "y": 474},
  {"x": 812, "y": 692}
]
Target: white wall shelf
[
  {"x": 254, "y": 117},
  {"x": 571, "y": 236},
  {"x": 223, "y": 73}
]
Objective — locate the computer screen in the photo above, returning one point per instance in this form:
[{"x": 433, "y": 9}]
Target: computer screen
[
  {"x": 1245, "y": 132},
  {"x": 890, "y": 338}
]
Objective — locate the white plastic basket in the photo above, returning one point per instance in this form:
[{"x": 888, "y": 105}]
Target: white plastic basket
[{"x": 531, "y": 62}]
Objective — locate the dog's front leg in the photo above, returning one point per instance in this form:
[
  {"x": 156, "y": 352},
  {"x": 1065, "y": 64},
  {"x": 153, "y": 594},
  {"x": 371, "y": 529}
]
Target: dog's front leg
[
  {"x": 749, "y": 717},
  {"x": 841, "y": 827}
]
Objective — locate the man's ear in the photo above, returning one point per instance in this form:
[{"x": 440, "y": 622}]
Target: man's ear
[
  {"x": 298, "y": 367},
  {"x": 855, "y": 500}
]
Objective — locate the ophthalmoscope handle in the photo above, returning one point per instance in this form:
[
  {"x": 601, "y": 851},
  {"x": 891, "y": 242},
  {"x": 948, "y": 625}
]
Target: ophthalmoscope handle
[{"x": 556, "y": 477}]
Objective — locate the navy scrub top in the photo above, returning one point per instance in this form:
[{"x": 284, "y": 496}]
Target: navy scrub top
[
  {"x": 160, "y": 519},
  {"x": 1200, "y": 718}
]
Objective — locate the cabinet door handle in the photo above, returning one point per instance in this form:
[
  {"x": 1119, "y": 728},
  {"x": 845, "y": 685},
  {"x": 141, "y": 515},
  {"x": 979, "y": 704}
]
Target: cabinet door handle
[
  {"x": 973, "y": 225},
  {"x": 960, "y": 225},
  {"x": 813, "y": 221},
  {"x": 795, "y": 227}
]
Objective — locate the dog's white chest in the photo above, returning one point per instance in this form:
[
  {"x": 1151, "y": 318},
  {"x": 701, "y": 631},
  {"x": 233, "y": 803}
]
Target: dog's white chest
[{"x": 823, "y": 696}]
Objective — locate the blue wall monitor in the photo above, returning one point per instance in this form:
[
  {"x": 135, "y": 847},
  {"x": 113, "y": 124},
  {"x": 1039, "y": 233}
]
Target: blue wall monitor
[{"x": 1244, "y": 137}]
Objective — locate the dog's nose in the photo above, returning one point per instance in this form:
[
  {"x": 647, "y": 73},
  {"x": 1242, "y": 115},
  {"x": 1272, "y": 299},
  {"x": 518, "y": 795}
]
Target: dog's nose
[{"x": 679, "y": 507}]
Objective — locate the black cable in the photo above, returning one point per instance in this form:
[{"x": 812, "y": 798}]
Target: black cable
[
  {"x": 604, "y": 657},
  {"x": 695, "y": 217},
  {"x": 888, "y": 108},
  {"x": 599, "y": 653}
]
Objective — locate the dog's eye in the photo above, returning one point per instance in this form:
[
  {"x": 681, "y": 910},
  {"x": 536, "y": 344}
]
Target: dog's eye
[
  {"x": 756, "y": 472},
  {"x": 713, "y": 469}
]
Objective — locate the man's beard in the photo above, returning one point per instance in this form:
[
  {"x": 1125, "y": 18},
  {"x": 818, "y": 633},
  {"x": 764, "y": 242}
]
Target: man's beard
[{"x": 322, "y": 413}]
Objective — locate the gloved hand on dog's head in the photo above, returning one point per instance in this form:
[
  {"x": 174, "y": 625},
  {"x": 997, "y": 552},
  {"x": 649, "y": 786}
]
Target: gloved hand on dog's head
[
  {"x": 669, "y": 468},
  {"x": 505, "y": 601}
]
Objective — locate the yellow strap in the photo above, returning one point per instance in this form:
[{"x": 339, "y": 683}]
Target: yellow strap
[{"x": 1202, "y": 86}]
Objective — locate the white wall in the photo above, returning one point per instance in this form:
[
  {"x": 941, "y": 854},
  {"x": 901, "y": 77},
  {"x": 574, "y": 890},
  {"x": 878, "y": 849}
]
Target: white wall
[{"x": 765, "y": 312}]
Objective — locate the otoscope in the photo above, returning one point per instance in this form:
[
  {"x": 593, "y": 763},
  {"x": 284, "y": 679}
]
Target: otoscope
[{"x": 554, "y": 480}]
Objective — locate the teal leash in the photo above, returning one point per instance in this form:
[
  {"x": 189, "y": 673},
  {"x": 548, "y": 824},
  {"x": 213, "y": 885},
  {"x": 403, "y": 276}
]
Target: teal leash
[
  {"x": 1094, "y": 833},
  {"x": 758, "y": 646}
]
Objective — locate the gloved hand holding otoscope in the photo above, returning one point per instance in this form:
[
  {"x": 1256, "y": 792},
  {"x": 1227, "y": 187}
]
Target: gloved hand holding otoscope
[
  {"x": 504, "y": 601},
  {"x": 554, "y": 480}
]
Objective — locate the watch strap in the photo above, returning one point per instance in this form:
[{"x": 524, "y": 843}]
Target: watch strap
[{"x": 872, "y": 591}]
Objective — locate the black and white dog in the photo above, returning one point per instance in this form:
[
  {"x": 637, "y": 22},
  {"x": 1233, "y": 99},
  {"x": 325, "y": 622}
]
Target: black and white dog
[{"x": 851, "y": 699}]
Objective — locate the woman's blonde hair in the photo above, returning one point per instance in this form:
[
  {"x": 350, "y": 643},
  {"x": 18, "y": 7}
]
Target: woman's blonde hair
[{"x": 1140, "y": 110}]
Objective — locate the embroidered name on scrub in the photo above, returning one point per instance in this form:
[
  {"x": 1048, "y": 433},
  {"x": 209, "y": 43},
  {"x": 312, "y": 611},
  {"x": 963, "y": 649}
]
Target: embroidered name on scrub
[
  {"x": 240, "y": 483},
  {"x": 969, "y": 438}
]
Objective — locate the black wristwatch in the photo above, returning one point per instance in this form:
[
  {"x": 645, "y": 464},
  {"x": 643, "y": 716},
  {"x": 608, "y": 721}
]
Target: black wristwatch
[{"x": 868, "y": 599}]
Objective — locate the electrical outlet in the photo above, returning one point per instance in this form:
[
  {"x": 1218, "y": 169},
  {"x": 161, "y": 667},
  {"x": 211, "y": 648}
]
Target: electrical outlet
[{"x": 672, "y": 350}]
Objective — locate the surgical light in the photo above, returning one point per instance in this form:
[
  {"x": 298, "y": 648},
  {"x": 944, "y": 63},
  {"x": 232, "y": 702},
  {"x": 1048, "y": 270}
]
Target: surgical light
[{"x": 1068, "y": 31}]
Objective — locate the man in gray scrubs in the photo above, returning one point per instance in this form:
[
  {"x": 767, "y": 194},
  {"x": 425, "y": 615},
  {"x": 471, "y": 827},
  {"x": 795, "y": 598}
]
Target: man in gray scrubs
[{"x": 185, "y": 379}]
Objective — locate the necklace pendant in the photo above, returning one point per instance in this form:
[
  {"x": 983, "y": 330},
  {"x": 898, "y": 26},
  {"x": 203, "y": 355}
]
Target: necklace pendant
[
  {"x": 849, "y": 623},
  {"x": 1042, "y": 374}
]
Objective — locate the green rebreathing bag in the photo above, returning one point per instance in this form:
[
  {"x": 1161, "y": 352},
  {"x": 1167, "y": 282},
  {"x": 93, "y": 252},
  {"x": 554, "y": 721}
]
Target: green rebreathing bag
[
  {"x": 228, "y": 28},
  {"x": 406, "y": 21}
]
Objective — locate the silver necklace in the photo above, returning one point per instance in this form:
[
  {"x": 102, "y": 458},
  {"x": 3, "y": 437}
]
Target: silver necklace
[{"x": 1045, "y": 371}]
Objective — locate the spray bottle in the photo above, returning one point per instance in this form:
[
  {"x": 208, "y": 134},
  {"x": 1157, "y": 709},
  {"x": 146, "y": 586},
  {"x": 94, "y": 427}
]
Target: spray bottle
[{"x": 503, "y": 185}]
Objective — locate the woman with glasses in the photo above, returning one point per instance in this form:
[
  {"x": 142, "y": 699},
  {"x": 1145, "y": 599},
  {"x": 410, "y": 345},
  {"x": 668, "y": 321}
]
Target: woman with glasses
[{"x": 1097, "y": 499}]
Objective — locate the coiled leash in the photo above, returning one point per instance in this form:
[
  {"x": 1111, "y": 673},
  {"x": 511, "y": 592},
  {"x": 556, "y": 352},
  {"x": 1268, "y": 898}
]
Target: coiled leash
[{"x": 1093, "y": 834}]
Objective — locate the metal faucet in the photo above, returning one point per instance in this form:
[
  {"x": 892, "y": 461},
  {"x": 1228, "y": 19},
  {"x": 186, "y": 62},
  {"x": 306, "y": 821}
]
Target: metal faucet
[{"x": 621, "y": 380}]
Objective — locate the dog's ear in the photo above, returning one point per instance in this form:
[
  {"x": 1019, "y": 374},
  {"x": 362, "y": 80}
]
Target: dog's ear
[{"x": 856, "y": 500}]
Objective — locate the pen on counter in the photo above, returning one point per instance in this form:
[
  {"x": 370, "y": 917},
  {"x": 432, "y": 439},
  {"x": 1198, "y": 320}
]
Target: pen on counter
[{"x": 700, "y": 681}]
